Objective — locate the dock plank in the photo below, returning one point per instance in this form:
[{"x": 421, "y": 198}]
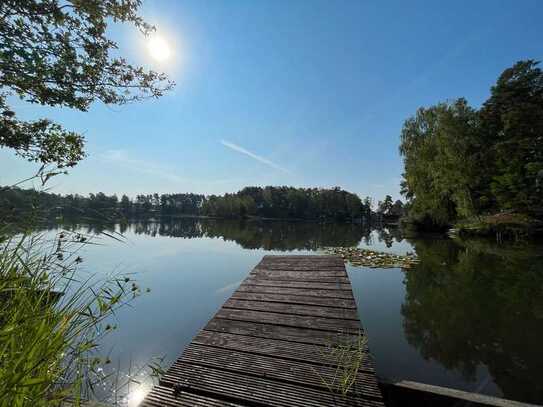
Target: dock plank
[
  {"x": 298, "y": 275},
  {"x": 314, "y": 354},
  {"x": 161, "y": 396},
  {"x": 294, "y": 309},
  {"x": 285, "y": 333},
  {"x": 271, "y": 343},
  {"x": 298, "y": 321},
  {"x": 295, "y": 291},
  {"x": 301, "y": 267},
  {"x": 298, "y": 284},
  {"x": 242, "y": 388},
  {"x": 273, "y": 367},
  {"x": 296, "y": 299},
  {"x": 301, "y": 264}
]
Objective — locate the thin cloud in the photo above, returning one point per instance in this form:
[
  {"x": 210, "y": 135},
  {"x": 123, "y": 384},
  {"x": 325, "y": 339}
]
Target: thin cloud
[{"x": 254, "y": 156}]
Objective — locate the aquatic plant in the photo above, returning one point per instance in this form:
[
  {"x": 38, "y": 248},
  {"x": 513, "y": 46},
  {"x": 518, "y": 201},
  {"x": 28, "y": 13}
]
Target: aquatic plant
[
  {"x": 347, "y": 357},
  {"x": 373, "y": 259},
  {"x": 51, "y": 323}
]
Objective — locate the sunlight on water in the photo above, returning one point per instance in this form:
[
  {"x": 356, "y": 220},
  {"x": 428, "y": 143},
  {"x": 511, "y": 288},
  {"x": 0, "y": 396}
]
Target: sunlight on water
[
  {"x": 469, "y": 315},
  {"x": 136, "y": 397}
]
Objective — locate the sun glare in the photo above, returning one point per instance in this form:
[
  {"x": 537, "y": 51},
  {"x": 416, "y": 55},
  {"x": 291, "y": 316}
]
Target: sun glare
[
  {"x": 136, "y": 397},
  {"x": 159, "y": 48}
]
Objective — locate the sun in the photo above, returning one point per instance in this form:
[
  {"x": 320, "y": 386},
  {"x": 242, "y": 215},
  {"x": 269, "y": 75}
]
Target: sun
[{"x": 159, "y": 48}]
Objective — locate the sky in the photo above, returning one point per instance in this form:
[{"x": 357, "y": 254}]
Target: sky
[{"x": 302, "y": 93}]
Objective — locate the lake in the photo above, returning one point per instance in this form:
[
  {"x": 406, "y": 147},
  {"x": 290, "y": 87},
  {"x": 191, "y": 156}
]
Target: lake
[{"x": 469, "y": 315}]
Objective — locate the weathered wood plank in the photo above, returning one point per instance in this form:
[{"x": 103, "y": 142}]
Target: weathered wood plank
[
  {"x": 299, "y": 321},
  {"x": 161, "y": 396},
  {"x": 292, "y": 309},
  {"x": 335, "y": 261},
  {"x": 335, "y": 272},
  {"x": 297, "y": 299},
  {"x": 314, "y": 354},
  {"x": 291, "y": 263},
  {"x": 302, "y": 257},
  {"x": 270, "y": 343},
  {"x": 242, "y": 388},
  {"x": 300, "y": 267},
  {"x": 309, "y": 279},
  {"x": 297, "y": 284},
  {"x": 419, "y": 393},
  {"x": 320, "y": 377},
  {"x": 285, "y": 333},
  {"x": 299, "y": 275},
  {"x": 296, "y": 291}
]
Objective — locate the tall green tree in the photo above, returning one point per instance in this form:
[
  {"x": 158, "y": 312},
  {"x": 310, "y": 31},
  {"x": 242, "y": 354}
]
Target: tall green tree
[
  {"x": 386, "y": 205},
  {"x": 512, "y": 119},
  {"x": 125, "y": 206},
  {"x": 58, "y": 53},
  {"x": 440, "y": 147},
  {"x": 461, "y": 162}
]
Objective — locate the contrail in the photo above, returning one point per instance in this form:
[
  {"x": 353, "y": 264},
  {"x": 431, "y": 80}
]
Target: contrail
[{"x": 254, "y": 156}]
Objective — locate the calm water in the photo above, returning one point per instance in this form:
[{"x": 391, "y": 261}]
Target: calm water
[{"x": 469, "y": 316}]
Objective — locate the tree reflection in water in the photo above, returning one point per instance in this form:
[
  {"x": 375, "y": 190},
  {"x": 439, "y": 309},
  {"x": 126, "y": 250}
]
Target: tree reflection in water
[
  {"x": 267, "y": 235},
  {"x": 477, "y": 303},
  {"x": 466, "y": 304}
]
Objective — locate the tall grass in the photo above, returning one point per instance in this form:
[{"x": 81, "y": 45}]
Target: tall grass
[
  {"x": 347, "y": 356},
  {"x": 51, "y": 323}
]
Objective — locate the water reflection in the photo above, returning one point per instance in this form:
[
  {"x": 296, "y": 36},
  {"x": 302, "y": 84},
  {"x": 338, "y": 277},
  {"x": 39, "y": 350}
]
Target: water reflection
[
  {"x": 474, "y": 303},
  {"x": 267, "y": 235},
  {"x": 469, "y": 315}
]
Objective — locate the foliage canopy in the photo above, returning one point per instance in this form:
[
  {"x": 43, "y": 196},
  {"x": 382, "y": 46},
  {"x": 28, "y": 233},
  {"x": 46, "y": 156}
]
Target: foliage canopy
[
  {"x": 461, "y": 162},
  {"x": 268, "y": 202},
  {"x": 59, "y": 54}
]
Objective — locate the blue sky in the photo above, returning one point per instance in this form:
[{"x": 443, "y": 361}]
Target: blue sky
[{"x": 304, "y": 93}]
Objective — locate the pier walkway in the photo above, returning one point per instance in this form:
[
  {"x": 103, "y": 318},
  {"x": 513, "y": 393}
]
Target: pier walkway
[{"x": 275, "y": 342}]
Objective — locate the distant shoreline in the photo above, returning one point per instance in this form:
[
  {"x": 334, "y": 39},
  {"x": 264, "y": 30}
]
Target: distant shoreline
[{"x": 247, "y": 218}]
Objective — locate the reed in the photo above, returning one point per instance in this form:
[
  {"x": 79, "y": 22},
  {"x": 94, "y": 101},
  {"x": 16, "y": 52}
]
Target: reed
[
  {"x": 51, "y": 323},
  {"x": 347, "y": 357}
]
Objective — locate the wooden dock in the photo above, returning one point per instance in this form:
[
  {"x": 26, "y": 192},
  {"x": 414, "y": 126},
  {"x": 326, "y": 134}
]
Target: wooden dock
[{"x": 270, "y": 343}]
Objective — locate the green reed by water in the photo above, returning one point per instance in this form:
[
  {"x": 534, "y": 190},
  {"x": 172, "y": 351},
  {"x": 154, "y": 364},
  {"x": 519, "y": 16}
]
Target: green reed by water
[{"x": 51, "y": 323}]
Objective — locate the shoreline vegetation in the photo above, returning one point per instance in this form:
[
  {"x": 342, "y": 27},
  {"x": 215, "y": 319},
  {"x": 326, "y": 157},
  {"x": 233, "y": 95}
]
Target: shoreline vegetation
[
  {"x": 497, "y": 226},
  {"x": 53, "y": 323},
  {"x": 267, "y": 203},
  {"x": 501, "y": 225},
  {"x": 479, "y": 171},
  {"x": 259, "y": 205}
]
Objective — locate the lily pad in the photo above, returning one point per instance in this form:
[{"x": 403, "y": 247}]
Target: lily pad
[{"x": 358, "y": 257}]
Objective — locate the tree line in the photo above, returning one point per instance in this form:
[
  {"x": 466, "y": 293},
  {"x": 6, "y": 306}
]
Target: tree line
[
  {"x": 269, "y": 202},
  {"x": 462, "y": 162}
]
